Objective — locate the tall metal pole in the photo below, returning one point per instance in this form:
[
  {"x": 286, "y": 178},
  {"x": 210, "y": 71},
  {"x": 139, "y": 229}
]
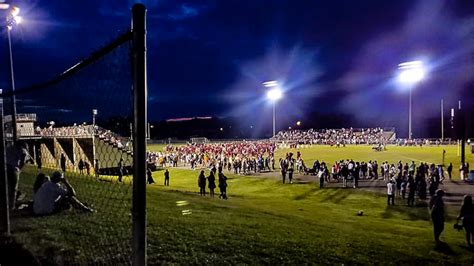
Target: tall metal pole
[
  {"x": 13, "y": 97},
  {"x": 139, "y": 134},
  {"x": 274, "y": 119},
  {"x": 462, "y": 128},
  {"x": 409, "y": 116},
  {"x": 94, "y": 111},
  {"x": 4, "y": 206},
  {"x": 442, "y": 120}
]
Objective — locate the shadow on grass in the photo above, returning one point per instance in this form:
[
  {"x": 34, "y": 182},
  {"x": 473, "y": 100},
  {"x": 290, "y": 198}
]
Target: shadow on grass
[
  {"x": 419, "y": 212},
  {"x": 443, "y": 247},
  {"x": 336, "y": 195},
  {"x": 306, "y": 194}
]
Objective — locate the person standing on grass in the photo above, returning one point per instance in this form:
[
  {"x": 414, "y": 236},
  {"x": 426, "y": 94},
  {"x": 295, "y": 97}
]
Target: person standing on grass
[
  {"x": 87, "y": 167},
  {"x": 80, "y": 165},
  {"x": 63, "y": 162},
  {"x": 149, "y": 176},
  {"x": 211, "y": 180},
  {"x": 167, "y": 178},
  {"x": 411, "y": 187},
  {"x": 450, "y": 170},
  {"x": 202, "y": 183},
  {"x": 391, "y": 192},
  {"x": 437, "y": 213},
  {"x": 291, "y": 168},
  {"x": 120, "y": 170},
  {"x": 284, "y": 167},
  {"x": 466, "y": 215},
  {"x": 16, "y": 157},
  {"x": 223, "y": 186},
  {"x": 96, "y": 168}
]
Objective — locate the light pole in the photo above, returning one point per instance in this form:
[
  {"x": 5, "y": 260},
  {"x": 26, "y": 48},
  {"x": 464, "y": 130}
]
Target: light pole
[
  {"x": 12, "y": 19},
  {"x": 274, "y": 94},
  {"x": 94, "y": 114},
  {"x": 410, "y": 74}
]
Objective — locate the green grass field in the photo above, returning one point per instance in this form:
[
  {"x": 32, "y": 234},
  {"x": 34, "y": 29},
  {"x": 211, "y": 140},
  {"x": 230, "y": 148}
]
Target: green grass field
[{"x": 263, "y": 222}]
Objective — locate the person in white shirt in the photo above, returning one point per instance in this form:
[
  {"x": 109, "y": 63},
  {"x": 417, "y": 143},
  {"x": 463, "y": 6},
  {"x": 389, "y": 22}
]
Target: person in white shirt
[
  {"x": 52, "y": 198},
  {"x": 391, "y": 192}
]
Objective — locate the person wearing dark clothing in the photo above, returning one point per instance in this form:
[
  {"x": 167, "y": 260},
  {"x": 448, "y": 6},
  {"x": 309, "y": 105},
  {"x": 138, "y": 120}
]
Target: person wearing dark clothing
[
  {"x": 96, "y": 168},
  {"x": 87, "y": 166},
  {"x": 63, "y": 162},
  {"x": 40, "y": 180},
  {"x": 223, "y": 186},
  {"x": 450, "y": 170},
  {"x": 16, "y": 158},
  {"x": 437, "y": 213},
  {"x": 149, "y": 176},
  {"x": 80, "y": 166},
  {"x": 466, "y": 215},
  {"x": 211, "y": 180},
  {"x": 411, "y": 187},
  {"x": 120, "y": 170},
  {"x": 422, "y": 189},
  {"x": 202, "y": 183},
  {"x": 284, "y": 167},
  {"x": 167, "y": 178}
]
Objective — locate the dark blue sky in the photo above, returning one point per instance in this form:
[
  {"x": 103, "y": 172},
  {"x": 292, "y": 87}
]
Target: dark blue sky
[{"x": 210, "y": 57}]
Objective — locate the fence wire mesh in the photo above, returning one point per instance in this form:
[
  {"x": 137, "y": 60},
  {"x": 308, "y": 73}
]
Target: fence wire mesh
[{"x": 79, "y": 126}]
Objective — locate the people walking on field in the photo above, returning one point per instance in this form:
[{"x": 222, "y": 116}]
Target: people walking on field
[
  {"x": 223, "y": 186},
  {"x": 466, "y": 216},
  {"x": 167, "y": 177},
  {"x": 284, "y": 168},
  {"x": 411, "y": 188},
  {"x": 391, "y": 192},
  {"x": 437, "y": 213},
  {"x": 291, "y": 167},
  {"x": 202, "y": 183},
  {"x": 211, "y": 180}
]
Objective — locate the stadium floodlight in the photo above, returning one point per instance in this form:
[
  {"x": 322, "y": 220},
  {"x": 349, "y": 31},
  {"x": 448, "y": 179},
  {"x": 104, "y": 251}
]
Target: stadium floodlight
[
  {"x": 411, "y": 73},
  {"x": 4, "y": 6},
  {"x": 12, "y": 19},
  {"x": 274, "y": 94},
  {"x": 298, "y": 123}
]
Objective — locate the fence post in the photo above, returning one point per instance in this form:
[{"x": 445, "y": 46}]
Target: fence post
[
  {"x": 139, "y": 251},
  {"x": 4, "y": 204}
]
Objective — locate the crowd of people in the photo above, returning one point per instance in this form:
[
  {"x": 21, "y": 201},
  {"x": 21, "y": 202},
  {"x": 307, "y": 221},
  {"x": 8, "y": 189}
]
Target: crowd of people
[
  {"x": 240, "y": 157},
  {"x": 74, "y": 130},
  {"x": 333, "y": 136}
]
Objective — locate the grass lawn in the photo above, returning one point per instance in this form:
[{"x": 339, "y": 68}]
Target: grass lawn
[{"x": 263, "y": 222}]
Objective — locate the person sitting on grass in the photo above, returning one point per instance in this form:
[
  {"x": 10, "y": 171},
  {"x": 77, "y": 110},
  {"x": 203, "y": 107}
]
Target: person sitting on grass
[
  {"x": 53, "y": 198},
  {"x": 40, "y": 180}
]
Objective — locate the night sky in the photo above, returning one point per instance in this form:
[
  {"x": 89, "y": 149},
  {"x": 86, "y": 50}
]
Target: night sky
[{"x": 209, "y": 58}]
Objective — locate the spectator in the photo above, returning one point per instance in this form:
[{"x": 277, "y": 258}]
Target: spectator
[
  {"x": 466, "y": 215},
  {"x": 211, "y": 179},
  {"x": 62, "y": 162},
  {"x": 149, "y": 176},
  {"x": 52, "y": 198},
  {"x": 223, "y": 186},
  {"x": 437, "y": 213},
  {"x": 202, "y": 183},
  {"x": 167, "y": 177},
  {"x": 16, "y": 157},
  {"x": 80, "y": 166},
  {"x": 40, "y": 180},
  {"x": 391, "y": 192}
]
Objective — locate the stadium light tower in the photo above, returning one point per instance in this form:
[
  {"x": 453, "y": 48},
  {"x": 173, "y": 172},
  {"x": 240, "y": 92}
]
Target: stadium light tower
[
  {"x": 13, "y": 19},
  {"x": 273, "y": 94},
  {"x": 410, "y": 74}
]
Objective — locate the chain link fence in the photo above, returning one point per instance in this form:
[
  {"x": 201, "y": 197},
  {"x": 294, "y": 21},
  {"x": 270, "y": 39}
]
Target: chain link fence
[{"x": 71, "y": 169}]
